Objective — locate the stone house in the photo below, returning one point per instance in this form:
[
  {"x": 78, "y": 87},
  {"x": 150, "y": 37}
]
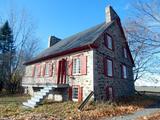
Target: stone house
[{"x": 97, "y": 59}]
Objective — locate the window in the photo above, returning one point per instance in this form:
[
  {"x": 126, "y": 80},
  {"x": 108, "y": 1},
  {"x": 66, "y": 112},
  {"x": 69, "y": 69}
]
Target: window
[
  {"x": 75, "y": 93},
  {"x": 108, "y": 69},
  {"x": 47, "y": 69},
  {"x": 125, "y": 52},
  {"x": 124, "y": 71},
  {"x": 109, "y": 42},
  {"x": 109, "y": 93},
  {"x": 29, "y": 71},
  {"x": 38, "y": 70},
  {"x": 76, "y": 66}
]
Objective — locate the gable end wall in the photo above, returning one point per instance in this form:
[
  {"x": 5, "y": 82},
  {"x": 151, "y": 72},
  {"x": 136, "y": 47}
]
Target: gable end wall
[{"x": 121, "y": 87}]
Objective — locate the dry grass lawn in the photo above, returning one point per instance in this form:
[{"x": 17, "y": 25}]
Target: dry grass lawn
[{"x": 11, "y": 108}]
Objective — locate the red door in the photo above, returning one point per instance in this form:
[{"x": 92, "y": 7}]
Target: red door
[{"x": 61, "y": 77}]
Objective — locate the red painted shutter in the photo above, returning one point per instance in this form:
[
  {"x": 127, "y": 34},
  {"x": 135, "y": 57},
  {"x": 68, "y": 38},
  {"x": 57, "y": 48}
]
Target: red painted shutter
[
  {"x": 105, "y": 66},
  {"x": 83, "y": 65},
  {"x": 59, "y": 71},
  {"x": 65, "y": 71},
  {"x": 33, "y": 71},
  {"x": 70, "y": 67},
  {"x": 80, "y": 94},
  {"x": 50, "y": 69},
  {"x": 70, "y": 93},
  {"x": 39, "y": 70},
  {"x": 43, "y": 69}
]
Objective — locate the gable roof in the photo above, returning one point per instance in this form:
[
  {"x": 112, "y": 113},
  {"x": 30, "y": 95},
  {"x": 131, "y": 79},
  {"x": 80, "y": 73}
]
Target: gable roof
[{"x": 81, "y": 39}]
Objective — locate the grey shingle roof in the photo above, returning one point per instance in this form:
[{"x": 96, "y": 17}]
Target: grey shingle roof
[{"x": 80, "y": 39}]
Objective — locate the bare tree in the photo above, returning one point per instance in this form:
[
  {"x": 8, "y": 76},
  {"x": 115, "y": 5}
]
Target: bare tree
[
  {"x": 25, "y": 41},
  {"x": 142, "y": 30}
]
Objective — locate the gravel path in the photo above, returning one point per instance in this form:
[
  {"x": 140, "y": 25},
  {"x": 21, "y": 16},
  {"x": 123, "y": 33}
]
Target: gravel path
[{"x": 146, "y": 111}]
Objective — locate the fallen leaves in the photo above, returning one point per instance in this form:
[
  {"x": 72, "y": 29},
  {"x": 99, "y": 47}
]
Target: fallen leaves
[{"x": 68, "y": 110}]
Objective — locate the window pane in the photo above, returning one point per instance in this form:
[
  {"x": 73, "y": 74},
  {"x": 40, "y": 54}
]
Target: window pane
[
  {"x": 75, "y": 93},
  {"x": 109, "y": 68},
  {"x": 124, "y": 71},
  {"x": 47, "y": 69},
  {"x": 76, "y": 66},
  {"x": 125, "y": 52},
  {"x": 109, "y": 42}
]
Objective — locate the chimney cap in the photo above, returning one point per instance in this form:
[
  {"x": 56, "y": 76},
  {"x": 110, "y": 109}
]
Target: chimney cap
[{"x": 110, "y": 14}]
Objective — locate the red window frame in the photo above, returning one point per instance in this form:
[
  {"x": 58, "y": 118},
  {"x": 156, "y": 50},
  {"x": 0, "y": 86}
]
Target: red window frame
[
  {"x": 106, "y": 41},
  {"x": 106, "y": 67},
  {"x": 107, "y": 93},
  {"x": 80, "y": 92}
]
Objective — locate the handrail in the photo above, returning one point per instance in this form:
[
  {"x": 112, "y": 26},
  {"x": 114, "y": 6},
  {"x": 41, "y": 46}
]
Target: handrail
[{"x": 85, "y": 101}]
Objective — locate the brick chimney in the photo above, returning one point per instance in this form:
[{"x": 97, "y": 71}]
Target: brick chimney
[
  {"x": 110, "y": 14},
  {"x": 52, "y": 40}
]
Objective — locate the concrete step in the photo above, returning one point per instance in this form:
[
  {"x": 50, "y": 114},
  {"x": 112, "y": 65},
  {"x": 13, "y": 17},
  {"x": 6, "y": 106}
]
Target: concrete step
[
  {"x": 40, "y": 93},
  {"x": 28, "y": 105},
  {"x": 45, "y": 91},
  {"x": 47, "y": 88},
  {"x": 38, "y": 97},
  {"x": 32, "y": 102}
]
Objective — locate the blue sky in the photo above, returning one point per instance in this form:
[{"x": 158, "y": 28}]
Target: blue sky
[{"x": 63, "y": 18}]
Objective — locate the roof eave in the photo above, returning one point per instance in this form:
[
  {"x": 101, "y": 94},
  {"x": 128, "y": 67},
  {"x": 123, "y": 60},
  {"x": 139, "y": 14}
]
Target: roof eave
[{"x": 73, "y": 50}]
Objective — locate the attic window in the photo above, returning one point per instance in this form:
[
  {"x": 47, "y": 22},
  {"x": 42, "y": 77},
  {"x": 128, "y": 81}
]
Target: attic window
[
  {"x": 108, "y": 41},
  {"x": 124, "y": 71}
]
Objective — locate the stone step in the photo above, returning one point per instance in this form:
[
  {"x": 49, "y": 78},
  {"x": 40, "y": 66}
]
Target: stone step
[{"x": 44, "y": 91}]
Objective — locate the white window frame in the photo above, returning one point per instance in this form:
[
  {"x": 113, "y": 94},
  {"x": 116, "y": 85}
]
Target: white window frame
[
  {"x": 109, "y": 68},
  {"x": 124, "y": 71},
  {"x": 76, "y": 66}
]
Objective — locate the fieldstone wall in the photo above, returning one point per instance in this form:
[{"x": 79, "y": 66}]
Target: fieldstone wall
[
  {"x": 121, "y": 87},
  {"x": 84, "y": 81}
]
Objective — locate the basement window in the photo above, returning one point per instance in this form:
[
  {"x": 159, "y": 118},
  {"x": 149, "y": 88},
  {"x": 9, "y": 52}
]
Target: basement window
[{"x": 75, "y": 94}]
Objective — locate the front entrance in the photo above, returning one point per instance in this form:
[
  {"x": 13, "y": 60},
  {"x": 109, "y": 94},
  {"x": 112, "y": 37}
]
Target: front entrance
[{"x": 61, "y": 77}]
